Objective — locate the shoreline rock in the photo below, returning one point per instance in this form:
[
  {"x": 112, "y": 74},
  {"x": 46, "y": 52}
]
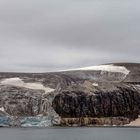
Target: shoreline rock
[{"x": 88, "y": 121}]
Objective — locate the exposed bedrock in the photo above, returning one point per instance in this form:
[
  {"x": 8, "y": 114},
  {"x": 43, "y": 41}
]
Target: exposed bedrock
[
  {"x": 97, "y": 95},
  {"x": 19, "y": 105},
  {"x": 21, "y": 101},
  {"x": 92, "y": 121},
  {"x": 123, "y": 101}
]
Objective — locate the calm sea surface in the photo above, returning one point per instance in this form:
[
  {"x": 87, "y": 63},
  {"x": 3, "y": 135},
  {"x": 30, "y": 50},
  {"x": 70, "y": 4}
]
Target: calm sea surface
[{"x": 96, "y": 133}]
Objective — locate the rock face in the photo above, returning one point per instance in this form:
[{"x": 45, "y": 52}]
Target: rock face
[
  {"x": 123, "y": 101},
  {"x": 100, "y": 95},
  {"x": 20, "y": 104},
  {"x": 92, "y": 121}
]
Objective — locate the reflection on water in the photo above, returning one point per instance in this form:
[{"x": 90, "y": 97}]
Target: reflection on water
[{"x": 96, "y": 133}]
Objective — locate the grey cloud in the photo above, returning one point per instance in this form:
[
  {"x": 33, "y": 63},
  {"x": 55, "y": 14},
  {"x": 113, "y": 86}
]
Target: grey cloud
[{"x": 61, "y": 34}]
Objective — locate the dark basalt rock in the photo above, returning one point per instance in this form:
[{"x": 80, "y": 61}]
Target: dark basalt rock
[{"x": 122, "y": 101}]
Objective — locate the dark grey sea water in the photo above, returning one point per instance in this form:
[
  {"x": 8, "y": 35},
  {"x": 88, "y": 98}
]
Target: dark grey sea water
[{"x": 96, "y": 133}]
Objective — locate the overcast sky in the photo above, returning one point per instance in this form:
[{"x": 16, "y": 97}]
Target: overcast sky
[{"x": 51, "y": 35}]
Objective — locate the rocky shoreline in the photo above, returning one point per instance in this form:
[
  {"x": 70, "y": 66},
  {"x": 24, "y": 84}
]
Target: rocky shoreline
[{"x": 86, "y": 121}]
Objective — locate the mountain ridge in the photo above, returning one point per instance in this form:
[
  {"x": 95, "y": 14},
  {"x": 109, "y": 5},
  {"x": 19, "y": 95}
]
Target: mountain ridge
[{"x": 107, "y": 94}]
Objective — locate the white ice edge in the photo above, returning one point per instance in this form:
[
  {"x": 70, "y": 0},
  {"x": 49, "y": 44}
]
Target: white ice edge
[
  {"x": 95, "y": 84},
  {"x": 20, "y": 83},
  {"x": 2, "y": 109},
  {"x": 108, "y": 68}
]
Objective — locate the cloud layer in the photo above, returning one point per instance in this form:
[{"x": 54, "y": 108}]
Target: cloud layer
[{"x": 51, "y": 35}]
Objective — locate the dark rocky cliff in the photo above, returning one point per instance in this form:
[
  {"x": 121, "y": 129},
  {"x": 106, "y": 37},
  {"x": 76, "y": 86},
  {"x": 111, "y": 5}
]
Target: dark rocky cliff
[
  {"x": 122, "y": 101},
  {"x": 77, "y": 97}
]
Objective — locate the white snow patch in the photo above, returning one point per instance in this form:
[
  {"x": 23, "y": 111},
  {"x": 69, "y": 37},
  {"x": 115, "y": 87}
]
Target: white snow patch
[
  {"x": 2, "y": 109},
  {"x": 18, "y": 82},
  {"x": 95, "y": 84},
  {"x": 108, "y": 68}
]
